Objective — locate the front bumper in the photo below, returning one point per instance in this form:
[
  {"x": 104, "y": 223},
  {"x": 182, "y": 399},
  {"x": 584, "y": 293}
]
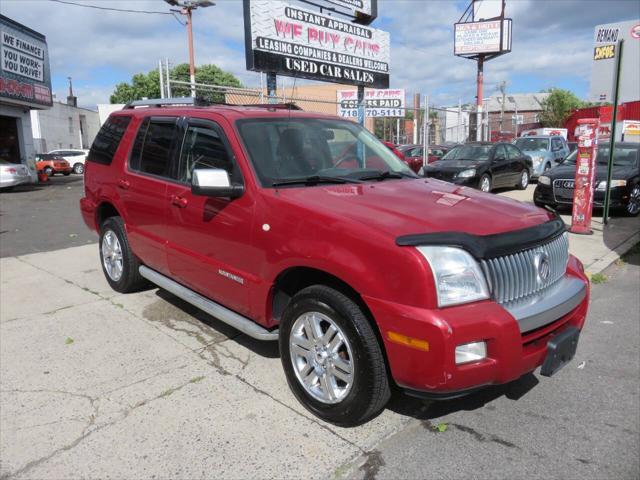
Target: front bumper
[
  {"x": 544, "y": 194},
  {"x": 14, "y": 180},
  {"x": 512, "y": 348}
]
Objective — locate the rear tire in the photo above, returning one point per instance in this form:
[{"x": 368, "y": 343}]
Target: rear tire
[
  {"x": 524, "y": 180},
  {"x": 119, "y": 265},
  {"x": 337, "y": 352},
  {"x": 78, "y": 169}
]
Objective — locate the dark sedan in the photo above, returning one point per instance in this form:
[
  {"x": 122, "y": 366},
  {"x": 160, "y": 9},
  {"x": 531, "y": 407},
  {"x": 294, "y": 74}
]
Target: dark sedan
[
  {"x": 555, "y": 188},
  {"x": 484, "y": 166}
]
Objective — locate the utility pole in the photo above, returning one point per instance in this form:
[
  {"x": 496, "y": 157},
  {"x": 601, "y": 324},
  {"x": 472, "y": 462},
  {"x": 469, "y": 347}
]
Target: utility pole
[
  {"x": 161, "y": 72},
  {"x": 416, "y": 114},
  {"x": 503, "y": 90},
  {"x": 479, "y": 104},
  {"x": 186, "y": 8}
]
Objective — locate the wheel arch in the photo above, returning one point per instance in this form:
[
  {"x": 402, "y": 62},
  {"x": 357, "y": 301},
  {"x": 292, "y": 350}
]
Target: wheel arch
[
  {"x": 105, "y": 210},
  {"x": 293, "y": 279}
]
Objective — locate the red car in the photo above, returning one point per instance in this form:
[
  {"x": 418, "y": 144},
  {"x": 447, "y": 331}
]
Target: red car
[
  {"x": 412, "y": 155},
  {"x": 52, "y": 164},
  {"x": 365, "y": 273}
]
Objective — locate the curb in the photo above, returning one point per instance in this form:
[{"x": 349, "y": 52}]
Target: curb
[{"x": 601, "y": 264}]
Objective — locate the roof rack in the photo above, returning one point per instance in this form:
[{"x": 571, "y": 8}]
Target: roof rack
[{"x": 168, "y": 102}]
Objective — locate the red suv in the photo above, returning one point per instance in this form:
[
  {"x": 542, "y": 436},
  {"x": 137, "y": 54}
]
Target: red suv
[{"x": 304, "y": 228}]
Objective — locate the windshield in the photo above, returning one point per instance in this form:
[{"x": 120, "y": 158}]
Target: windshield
[
  {"x": 532, "y": 144},
  {"x": 626, "y": 156},
  {"x": 288, "y": 149},
  {"x": 469, "y": 152}
]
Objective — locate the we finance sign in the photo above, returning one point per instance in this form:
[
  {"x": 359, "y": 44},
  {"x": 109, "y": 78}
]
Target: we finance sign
[{"x": 296, "y": 42}]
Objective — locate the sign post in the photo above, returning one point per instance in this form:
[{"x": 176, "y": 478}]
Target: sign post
[
  {"x": 361, "y": 113},
  {"x": 272, "y": 87},
  {"x": 584, "y": 187}
]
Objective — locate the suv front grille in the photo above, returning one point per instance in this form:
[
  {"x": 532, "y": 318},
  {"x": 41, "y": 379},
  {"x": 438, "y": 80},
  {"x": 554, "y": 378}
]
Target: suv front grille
[{"x": 519, "y": 275}]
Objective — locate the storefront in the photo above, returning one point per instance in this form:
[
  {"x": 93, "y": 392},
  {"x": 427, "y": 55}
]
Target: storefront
[{"x": 25, "y": 84}]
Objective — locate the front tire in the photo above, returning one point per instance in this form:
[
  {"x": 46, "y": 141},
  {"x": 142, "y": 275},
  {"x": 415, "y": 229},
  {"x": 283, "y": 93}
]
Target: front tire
[
  {"x": 119, "y": 264},
  {"x": 633, "y": 207},
  {"x": 332, "y": 358},
  {"x": 485, "y": 183}
]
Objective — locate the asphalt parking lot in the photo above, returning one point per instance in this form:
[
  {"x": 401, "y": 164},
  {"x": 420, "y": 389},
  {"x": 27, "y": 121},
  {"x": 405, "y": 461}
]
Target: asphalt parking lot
[
  {"x": 94, "y": 384},
  {"x": 43, "y": 217}
]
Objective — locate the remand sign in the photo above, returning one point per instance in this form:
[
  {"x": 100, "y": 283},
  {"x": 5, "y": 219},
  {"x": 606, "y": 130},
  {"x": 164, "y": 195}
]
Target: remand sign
[{"x": 297, "y": 42}]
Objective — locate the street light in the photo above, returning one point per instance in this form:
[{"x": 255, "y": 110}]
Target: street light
[{"x": 186, "y": 7}]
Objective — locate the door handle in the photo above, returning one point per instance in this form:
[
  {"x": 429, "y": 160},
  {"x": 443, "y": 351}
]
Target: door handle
[
  {"x": 178, "y": 201},
  {"x": 124, "y": 184}
]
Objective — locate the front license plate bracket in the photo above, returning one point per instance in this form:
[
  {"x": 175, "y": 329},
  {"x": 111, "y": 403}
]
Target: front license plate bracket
[{"x": 560, "y": 351}]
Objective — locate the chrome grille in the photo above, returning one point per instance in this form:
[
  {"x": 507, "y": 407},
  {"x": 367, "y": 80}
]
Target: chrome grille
[
  {"x": 563, "y": 190},
  {"x": 516, "y": 276}
]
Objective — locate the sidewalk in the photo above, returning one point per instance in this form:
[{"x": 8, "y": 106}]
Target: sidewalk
[
  {"x": 607, "y": 243},
  {"x": 95, "y": 384}
]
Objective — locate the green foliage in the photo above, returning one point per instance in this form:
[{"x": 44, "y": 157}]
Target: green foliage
[
  {"x": 557, "y": 107},
  {"x": 148, "y": 85},
  {"x": 68, "y": 341}
]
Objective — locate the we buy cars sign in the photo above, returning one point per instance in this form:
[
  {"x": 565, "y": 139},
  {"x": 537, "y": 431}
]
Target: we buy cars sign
[
  {"x": 378, "y": 103},
  {"x": 292, "y": 41}
]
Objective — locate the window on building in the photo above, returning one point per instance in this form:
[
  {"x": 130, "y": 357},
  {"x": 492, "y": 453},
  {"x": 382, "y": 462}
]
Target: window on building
[{"x": 70, "y": 124}]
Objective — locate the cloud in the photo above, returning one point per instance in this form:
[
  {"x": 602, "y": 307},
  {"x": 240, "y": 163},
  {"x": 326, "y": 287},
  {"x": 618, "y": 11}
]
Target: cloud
[{"x": 552, "y": 43}]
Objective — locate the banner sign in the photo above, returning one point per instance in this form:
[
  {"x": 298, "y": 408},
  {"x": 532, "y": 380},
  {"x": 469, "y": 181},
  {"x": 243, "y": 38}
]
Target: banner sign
[
  {"x": 472, "y": 38},
  {"x": 292, "y": 41},
  {"x": 378, "y": 103},
  {"x": 584, "y": 183},
  {"x": 359, "y": 8},
  {"x": 24, "y": 65}
]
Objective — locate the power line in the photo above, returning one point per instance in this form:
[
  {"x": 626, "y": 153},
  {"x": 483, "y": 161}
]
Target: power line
[{"x": 110, "y": 8}]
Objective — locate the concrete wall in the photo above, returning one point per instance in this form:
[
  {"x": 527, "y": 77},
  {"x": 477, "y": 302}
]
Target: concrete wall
[{"x": 64, "y": 126}]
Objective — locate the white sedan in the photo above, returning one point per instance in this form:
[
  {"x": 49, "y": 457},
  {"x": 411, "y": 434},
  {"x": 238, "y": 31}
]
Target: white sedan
[{"x": 75, "y": 156}]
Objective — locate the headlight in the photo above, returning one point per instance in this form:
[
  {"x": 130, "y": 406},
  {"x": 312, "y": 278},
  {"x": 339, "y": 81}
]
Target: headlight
[
  {"x": 537, "y": 161},
  {"x": 602, "y": 186},
  {"x": 457, "y": 276},
  {"x": 544, "y": 180},
  {"x": 471, "y": 172}
]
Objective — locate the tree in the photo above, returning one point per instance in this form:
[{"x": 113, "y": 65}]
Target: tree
[
  {"x": 148, "y": 85},
  {"x": 558, "y": 106}
]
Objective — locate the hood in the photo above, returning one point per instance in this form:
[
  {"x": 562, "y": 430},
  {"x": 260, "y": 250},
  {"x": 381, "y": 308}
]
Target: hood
[
  {"x": 455, "y": 165},
  {"x": 537, "y": 153},
  {"x": 404, "y": 207},
  {"x": 568, "y": 171}
]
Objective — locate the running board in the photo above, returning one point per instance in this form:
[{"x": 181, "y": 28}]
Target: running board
[{"x": 214, "y": 309}]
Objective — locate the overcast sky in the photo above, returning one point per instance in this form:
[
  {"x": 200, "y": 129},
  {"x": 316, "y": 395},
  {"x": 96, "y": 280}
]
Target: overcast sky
[{"x": 552, "y": 43}]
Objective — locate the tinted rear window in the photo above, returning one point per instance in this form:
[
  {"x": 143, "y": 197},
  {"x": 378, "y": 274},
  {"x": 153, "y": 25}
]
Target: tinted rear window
[
  {"x": 106, "y": 143},
  {"x": 153, "y": 146}
]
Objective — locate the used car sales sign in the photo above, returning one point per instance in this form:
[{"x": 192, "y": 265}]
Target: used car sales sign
[
  {"x": 296, "y": 42},
  {"x": 378, "y": 103}
]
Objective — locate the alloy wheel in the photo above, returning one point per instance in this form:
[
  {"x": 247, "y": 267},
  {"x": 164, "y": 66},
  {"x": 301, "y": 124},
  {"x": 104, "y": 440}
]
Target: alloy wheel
[
  {"x": 112, "y": 255},
  {"x": 633, "y": 207},
  {"x": 524, "y": 179},
  {"x": 322, "y": 357},
  {"x": 78, "y": 168},
  {"x": 485, "y": 184}
]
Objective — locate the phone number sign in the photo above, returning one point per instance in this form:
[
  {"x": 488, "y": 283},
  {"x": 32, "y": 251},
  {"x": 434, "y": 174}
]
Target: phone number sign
[{"x": 378, "y": 103}]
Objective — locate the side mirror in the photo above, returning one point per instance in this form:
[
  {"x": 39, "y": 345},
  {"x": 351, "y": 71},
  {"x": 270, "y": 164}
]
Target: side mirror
[{"x": 214, "y": 182}]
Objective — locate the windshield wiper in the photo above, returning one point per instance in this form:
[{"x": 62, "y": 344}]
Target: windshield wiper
[
  {"x": 313, "y": 180},
  {"x": 383, "y": 175}
]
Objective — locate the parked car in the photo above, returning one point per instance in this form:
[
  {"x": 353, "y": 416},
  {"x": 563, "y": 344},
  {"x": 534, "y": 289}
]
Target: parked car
[
  {"x": 483, "y": 165},
  {"x": 12, "y": 174},
  {"x": 412, "y": 155},
  {"x": 51, "y": 164},
  {"x": 75, "y": 156},
  {"x": 393, "y": 147},
  {"x": 545, "y": 151},
  {"x": 555, "y": 187},
  {"x": 365, "y": 273}
]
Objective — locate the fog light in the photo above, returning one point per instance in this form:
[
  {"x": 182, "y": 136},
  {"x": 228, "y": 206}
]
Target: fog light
[{"x": 471, "y": 352}]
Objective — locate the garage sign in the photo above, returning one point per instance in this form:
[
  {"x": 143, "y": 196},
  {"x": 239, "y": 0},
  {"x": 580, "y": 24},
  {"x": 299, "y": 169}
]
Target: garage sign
[{"x": 293, "y": 41}]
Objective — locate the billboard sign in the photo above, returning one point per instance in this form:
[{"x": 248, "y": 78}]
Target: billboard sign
[
  {"x": 25, "y": 78},
  {"x": 292, "y": 41},
  {"x": 364, "y": 11},
  {"x": 378, "y": 103},
  {"x": 475, "y": 38}
]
